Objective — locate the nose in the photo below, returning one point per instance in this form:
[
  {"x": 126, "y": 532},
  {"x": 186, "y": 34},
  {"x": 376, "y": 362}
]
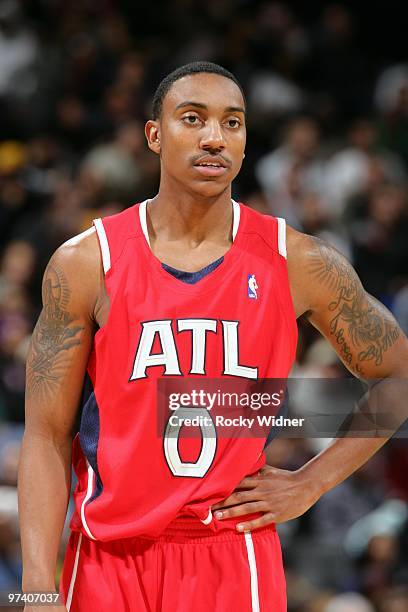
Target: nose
[{"x": 213, "y": 138}]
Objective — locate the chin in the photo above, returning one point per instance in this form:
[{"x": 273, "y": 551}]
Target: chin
[{"x": 210, "y": 188}]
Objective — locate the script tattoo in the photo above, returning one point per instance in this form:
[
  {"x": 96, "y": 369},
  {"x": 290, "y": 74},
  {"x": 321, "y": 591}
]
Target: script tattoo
[
  {"x": 54, "y": 336},
  {"x": 361, "y": 326}
]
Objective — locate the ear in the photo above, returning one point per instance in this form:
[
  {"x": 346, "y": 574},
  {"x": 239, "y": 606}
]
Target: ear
[{"x": 152, "y": 132}]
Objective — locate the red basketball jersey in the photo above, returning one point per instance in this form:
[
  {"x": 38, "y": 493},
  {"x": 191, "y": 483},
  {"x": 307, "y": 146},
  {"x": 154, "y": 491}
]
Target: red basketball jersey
[{"x": 237, "y": 322}]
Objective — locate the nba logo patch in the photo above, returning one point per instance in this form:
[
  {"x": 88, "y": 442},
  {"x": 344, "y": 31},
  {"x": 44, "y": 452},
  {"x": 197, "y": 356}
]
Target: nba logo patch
[{"x": 252, "y": 287}]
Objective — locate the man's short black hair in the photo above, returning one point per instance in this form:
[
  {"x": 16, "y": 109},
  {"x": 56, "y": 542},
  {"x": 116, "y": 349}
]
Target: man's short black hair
[{"x": 179, "y": 73}]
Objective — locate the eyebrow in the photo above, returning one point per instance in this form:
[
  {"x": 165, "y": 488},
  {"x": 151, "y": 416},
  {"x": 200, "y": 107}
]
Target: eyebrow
[{"x": 229, "y": 109}]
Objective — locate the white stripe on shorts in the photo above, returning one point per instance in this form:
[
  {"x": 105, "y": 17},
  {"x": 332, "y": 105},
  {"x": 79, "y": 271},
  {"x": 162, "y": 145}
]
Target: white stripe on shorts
[
  {"x": 74, "y": 573},
  {"x": 209, "y": 518},
  {"x": 87, "y": 496},
  {"x": 253, "y": 572}
]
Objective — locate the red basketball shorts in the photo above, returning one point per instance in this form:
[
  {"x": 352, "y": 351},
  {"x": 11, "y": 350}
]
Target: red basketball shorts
[{"x": 188, "y": 568}]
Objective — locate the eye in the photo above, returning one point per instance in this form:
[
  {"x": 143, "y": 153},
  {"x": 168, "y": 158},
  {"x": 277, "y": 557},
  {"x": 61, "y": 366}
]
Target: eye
[
  {"x": 190, "y": 119},
  {"x": 233, "y": 123}
]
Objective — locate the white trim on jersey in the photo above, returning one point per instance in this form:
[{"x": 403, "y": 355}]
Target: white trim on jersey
[
  {"x": 143, "y": 219},
  {"x": 74, "y": 573},
  {"x": 236, "y": 214},
  {"x": 282, "y": 236},
  {"x": 103, "y": 241},
  {"x": 253, "y": 572},
  {"x": 87, "y": 496},
  {"x": 209, "y": 518}
]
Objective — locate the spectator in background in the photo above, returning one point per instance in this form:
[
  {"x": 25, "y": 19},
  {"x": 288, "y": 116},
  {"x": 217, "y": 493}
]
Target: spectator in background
[
  {"x": 396, "y": 600},
  {"x": 10, "y": 561},
  {"x": 292, "y": 170},
  {"x": 16, "y": 273},
  {"x": 351, "y": 170},
  {"x": 316, "y": 218},
  {"x": 18, "y": 56},
  {"x": 110, "y": 171},
  {"x": 391, "y": 99},
  {"x": 278, "y": 44},
  {"x": 380, "y": 246},
  {"x": 13, "y": 196},
  {"x": 349, "y": 602},
  {"x": 337, "y": 72},
  {"x": 401, "y": 307}
]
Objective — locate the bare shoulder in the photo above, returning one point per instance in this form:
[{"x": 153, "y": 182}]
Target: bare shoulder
[
  {"x": 318, "y": 272},
  {"x": 77, "y": 266},
  {"x": 304, "y": 253},
  {"x": 82, "y": 250},
  {"x": 302, "y": 249},
  {"x": 61, "y": 340}
]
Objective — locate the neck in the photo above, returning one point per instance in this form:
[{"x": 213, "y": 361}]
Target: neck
[{"x": 190, "y": 217}]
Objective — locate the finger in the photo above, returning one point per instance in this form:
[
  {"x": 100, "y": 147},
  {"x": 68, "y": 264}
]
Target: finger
[
  {"x": 238, "y": 497},
  {"x": 242, "y": 509},
  {"x": 249, "y": 482},
  {"x": 267, "y": 519},
  {"x": 230, "y": 501}
]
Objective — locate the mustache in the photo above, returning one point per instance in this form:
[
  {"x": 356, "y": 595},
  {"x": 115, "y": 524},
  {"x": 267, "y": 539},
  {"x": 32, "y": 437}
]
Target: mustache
[{"x": 197, "y": 158}]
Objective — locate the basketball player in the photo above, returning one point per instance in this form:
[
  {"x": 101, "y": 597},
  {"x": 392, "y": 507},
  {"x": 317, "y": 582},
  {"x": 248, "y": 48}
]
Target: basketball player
[{"x": 187, "y": 284}]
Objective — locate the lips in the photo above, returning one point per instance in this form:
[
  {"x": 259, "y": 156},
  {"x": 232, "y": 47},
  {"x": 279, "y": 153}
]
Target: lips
[{"x": 211, "y": 166}]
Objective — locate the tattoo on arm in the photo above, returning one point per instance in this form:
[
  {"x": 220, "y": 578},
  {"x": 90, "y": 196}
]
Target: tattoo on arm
[
  {"x": 53, "y": 338},
  {"x": 356, "y": 315}
]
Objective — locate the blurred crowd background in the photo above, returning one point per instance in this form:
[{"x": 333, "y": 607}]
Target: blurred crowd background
[{"x": 327, "y": 89}]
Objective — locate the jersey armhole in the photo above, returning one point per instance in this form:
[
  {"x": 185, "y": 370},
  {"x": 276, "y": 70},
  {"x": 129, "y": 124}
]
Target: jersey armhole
[
  {"x": 282, "y": 237},
  {"x": 104, "y": 245}
]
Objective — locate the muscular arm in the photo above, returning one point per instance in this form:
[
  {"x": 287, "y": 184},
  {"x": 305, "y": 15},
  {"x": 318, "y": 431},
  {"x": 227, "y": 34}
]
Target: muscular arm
[
  {"x": 56, "y": 366},
  {"x": 326, "y": 289},
  {"x": 362, "y": 331}
]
